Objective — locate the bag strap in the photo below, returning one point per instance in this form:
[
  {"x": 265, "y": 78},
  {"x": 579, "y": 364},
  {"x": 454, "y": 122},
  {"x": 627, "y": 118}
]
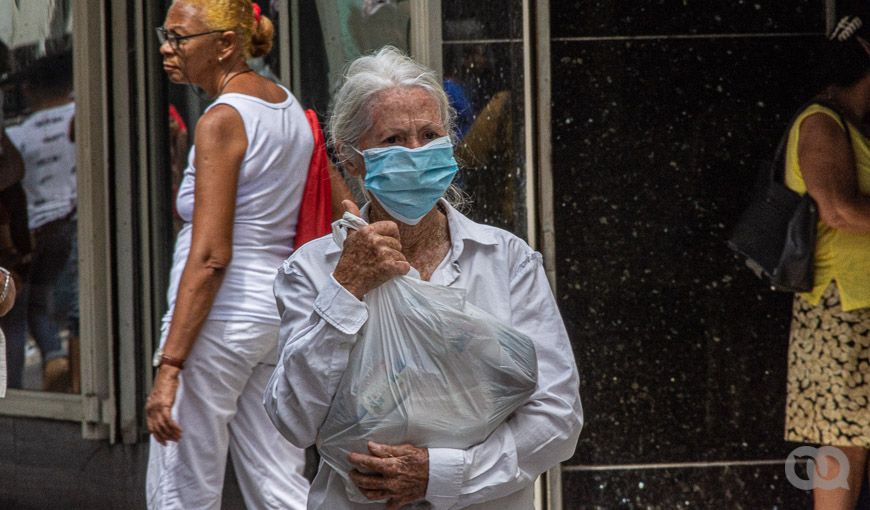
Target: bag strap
[{"x": 776, "y": 172}]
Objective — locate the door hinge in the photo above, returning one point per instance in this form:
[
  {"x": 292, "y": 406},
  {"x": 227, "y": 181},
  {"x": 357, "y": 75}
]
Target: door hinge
[{"x": 96, "y": 409}]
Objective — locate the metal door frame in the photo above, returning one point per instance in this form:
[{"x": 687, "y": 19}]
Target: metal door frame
[{"x": 94, "y": 406}]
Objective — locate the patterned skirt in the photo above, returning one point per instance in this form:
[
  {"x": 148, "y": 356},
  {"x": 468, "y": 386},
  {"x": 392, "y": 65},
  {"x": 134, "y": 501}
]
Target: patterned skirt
[{"x": 828, "y": 399}]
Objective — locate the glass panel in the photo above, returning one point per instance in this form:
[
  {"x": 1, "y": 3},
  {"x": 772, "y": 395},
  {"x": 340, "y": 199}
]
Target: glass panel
[
  {"x": 331, "y": 33},
  {"x": 38, "y": 194},
  {"x": 483, "y": 75},
  {"x": 483, "y": 69},
  {"x": 334, "y": 32},
  {"x": 270, "y": 64}
]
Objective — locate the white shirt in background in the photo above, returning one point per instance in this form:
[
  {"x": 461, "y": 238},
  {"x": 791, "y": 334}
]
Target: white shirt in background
[{"x": 49, "y": 155}]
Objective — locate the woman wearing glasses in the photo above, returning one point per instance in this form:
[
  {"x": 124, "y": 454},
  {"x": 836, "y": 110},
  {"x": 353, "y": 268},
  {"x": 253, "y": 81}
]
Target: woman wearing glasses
[{"x": 239, "y": 200}]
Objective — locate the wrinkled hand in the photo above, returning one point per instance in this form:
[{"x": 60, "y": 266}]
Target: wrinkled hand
[
  {"x": 399, "y": 474},
  {"x": 158, "y": 407},
  {"x": 371, "y": 256}
]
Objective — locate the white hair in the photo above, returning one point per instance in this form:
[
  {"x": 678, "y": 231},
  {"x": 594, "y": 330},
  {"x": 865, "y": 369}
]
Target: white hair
[{"x": 366, "y": 77}]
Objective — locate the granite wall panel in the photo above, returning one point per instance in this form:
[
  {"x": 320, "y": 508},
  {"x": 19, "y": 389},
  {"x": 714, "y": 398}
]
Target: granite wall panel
[
  {"x": 597, "y": 18},
  {"x": 722, "y": 487},
  {"x": 656, "y": 146},
  {"x": 662, "y": 114}
]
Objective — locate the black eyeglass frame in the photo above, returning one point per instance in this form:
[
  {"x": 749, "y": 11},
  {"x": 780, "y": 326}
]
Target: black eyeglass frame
[{"x": 164, "y": 36}]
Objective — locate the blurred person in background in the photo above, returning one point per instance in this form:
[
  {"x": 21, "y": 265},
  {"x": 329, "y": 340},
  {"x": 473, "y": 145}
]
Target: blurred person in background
[
  {"x": 7, "y": 299},
  {"x": 49, "y": 155},
  {"x": 12, "y": 200}
]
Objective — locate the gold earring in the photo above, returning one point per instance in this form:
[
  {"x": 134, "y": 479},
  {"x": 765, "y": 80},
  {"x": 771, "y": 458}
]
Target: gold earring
[{"x": 220, "y": 59}]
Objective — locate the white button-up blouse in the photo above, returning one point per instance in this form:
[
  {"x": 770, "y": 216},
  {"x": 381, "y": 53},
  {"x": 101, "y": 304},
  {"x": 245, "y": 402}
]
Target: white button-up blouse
[{"x": 502, "y": 275}]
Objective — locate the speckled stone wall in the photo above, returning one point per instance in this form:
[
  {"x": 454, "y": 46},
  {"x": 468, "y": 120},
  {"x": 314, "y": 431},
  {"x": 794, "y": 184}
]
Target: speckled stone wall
[{"x": 661, "y": 113}]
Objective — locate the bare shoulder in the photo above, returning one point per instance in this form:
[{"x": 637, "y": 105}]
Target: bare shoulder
[
  {"x": 221, "y": 131},
  {"x": 221, "y": 119},
  {"x": 820, "y": 130}
]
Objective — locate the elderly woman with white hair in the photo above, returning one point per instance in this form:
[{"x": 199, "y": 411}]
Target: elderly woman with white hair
[{"x": 391, "y": 118}]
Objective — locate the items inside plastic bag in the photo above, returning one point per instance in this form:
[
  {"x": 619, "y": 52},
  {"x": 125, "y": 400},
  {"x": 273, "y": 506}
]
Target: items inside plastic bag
[{"x": 428, "y": 368}]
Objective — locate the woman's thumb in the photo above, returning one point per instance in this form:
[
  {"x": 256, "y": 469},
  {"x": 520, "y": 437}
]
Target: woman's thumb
[{"x": 350, "y": 207}]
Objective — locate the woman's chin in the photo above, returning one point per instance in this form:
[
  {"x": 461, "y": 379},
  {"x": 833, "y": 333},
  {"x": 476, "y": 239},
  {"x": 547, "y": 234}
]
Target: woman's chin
[{"x": 175, "y": 75}]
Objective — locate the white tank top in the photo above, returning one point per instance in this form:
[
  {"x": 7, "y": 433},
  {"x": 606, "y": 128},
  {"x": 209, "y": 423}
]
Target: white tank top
[{"x": 271, "y": 181}]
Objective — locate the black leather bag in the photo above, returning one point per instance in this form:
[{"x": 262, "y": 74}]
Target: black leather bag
[{"x": 777, "y": 232}]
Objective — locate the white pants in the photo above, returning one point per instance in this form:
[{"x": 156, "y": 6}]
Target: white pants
[{"x": 219, "y": 406}]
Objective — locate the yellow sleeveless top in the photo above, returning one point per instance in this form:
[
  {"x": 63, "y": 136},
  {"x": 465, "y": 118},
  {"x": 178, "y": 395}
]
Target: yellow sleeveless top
[{"x": 840, "y": 256}]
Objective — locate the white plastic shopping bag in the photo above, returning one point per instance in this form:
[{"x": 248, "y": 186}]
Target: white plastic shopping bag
[{"x": 428, "y": 368}]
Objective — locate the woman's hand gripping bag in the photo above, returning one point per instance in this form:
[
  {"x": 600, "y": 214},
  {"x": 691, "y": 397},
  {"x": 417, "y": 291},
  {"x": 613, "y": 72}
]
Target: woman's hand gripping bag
[{"x": 428, "y": 368}]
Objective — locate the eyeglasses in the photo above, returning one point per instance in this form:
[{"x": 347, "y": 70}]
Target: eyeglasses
[{"x": 175, "y": 40}]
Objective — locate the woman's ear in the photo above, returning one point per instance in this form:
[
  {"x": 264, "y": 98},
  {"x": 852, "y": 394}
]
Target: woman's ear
[
  {"x": 228, "y": 44},
  {"x": 354, "y": 165}
]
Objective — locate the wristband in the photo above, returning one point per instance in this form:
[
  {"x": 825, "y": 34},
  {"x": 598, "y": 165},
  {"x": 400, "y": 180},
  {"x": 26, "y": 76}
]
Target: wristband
[
  {"x": 6, "y": 282},
  {"x": 172, "y": 362},
  {"x": 163, "y": 359}
]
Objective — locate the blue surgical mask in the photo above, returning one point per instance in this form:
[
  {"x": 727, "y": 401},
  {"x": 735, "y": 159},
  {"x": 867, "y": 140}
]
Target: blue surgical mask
[{"x": 409, "y": 182}]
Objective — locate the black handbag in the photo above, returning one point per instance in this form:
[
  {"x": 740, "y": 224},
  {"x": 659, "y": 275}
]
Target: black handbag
[{"x": 777, "y": 232}]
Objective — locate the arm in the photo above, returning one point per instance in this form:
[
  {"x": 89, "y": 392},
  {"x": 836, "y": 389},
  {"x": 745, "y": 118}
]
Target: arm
[
  {"x": 14, "y": 201},
  {"x": 9, "y": 300},
  {"x": 318, "y": 330},
  {"x": 828, "y": 167},
  {"x": 541, "y": 433},
  {"x": 11, "y": 164},
  {"x": 221, "y": 144},
  {"x": 483, "y": 138},
  {"x": 320, "y": 316}
]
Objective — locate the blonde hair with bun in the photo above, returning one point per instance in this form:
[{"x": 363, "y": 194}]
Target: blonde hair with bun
[{"x": 238, "y": 16}]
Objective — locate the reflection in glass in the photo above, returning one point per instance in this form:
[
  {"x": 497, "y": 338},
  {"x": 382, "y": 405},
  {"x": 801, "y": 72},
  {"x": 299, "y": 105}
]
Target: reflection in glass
[
  {"x": 361, "y": 26},
  {"x": 334, "y": 32},
  {"x": 483, "y": 78},
  {"x": 38, "y": 195},
  {"x": 331, "y": 33}
]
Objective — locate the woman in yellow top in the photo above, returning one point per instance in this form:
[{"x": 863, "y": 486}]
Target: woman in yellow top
[{"x": 828, "y": 400}]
